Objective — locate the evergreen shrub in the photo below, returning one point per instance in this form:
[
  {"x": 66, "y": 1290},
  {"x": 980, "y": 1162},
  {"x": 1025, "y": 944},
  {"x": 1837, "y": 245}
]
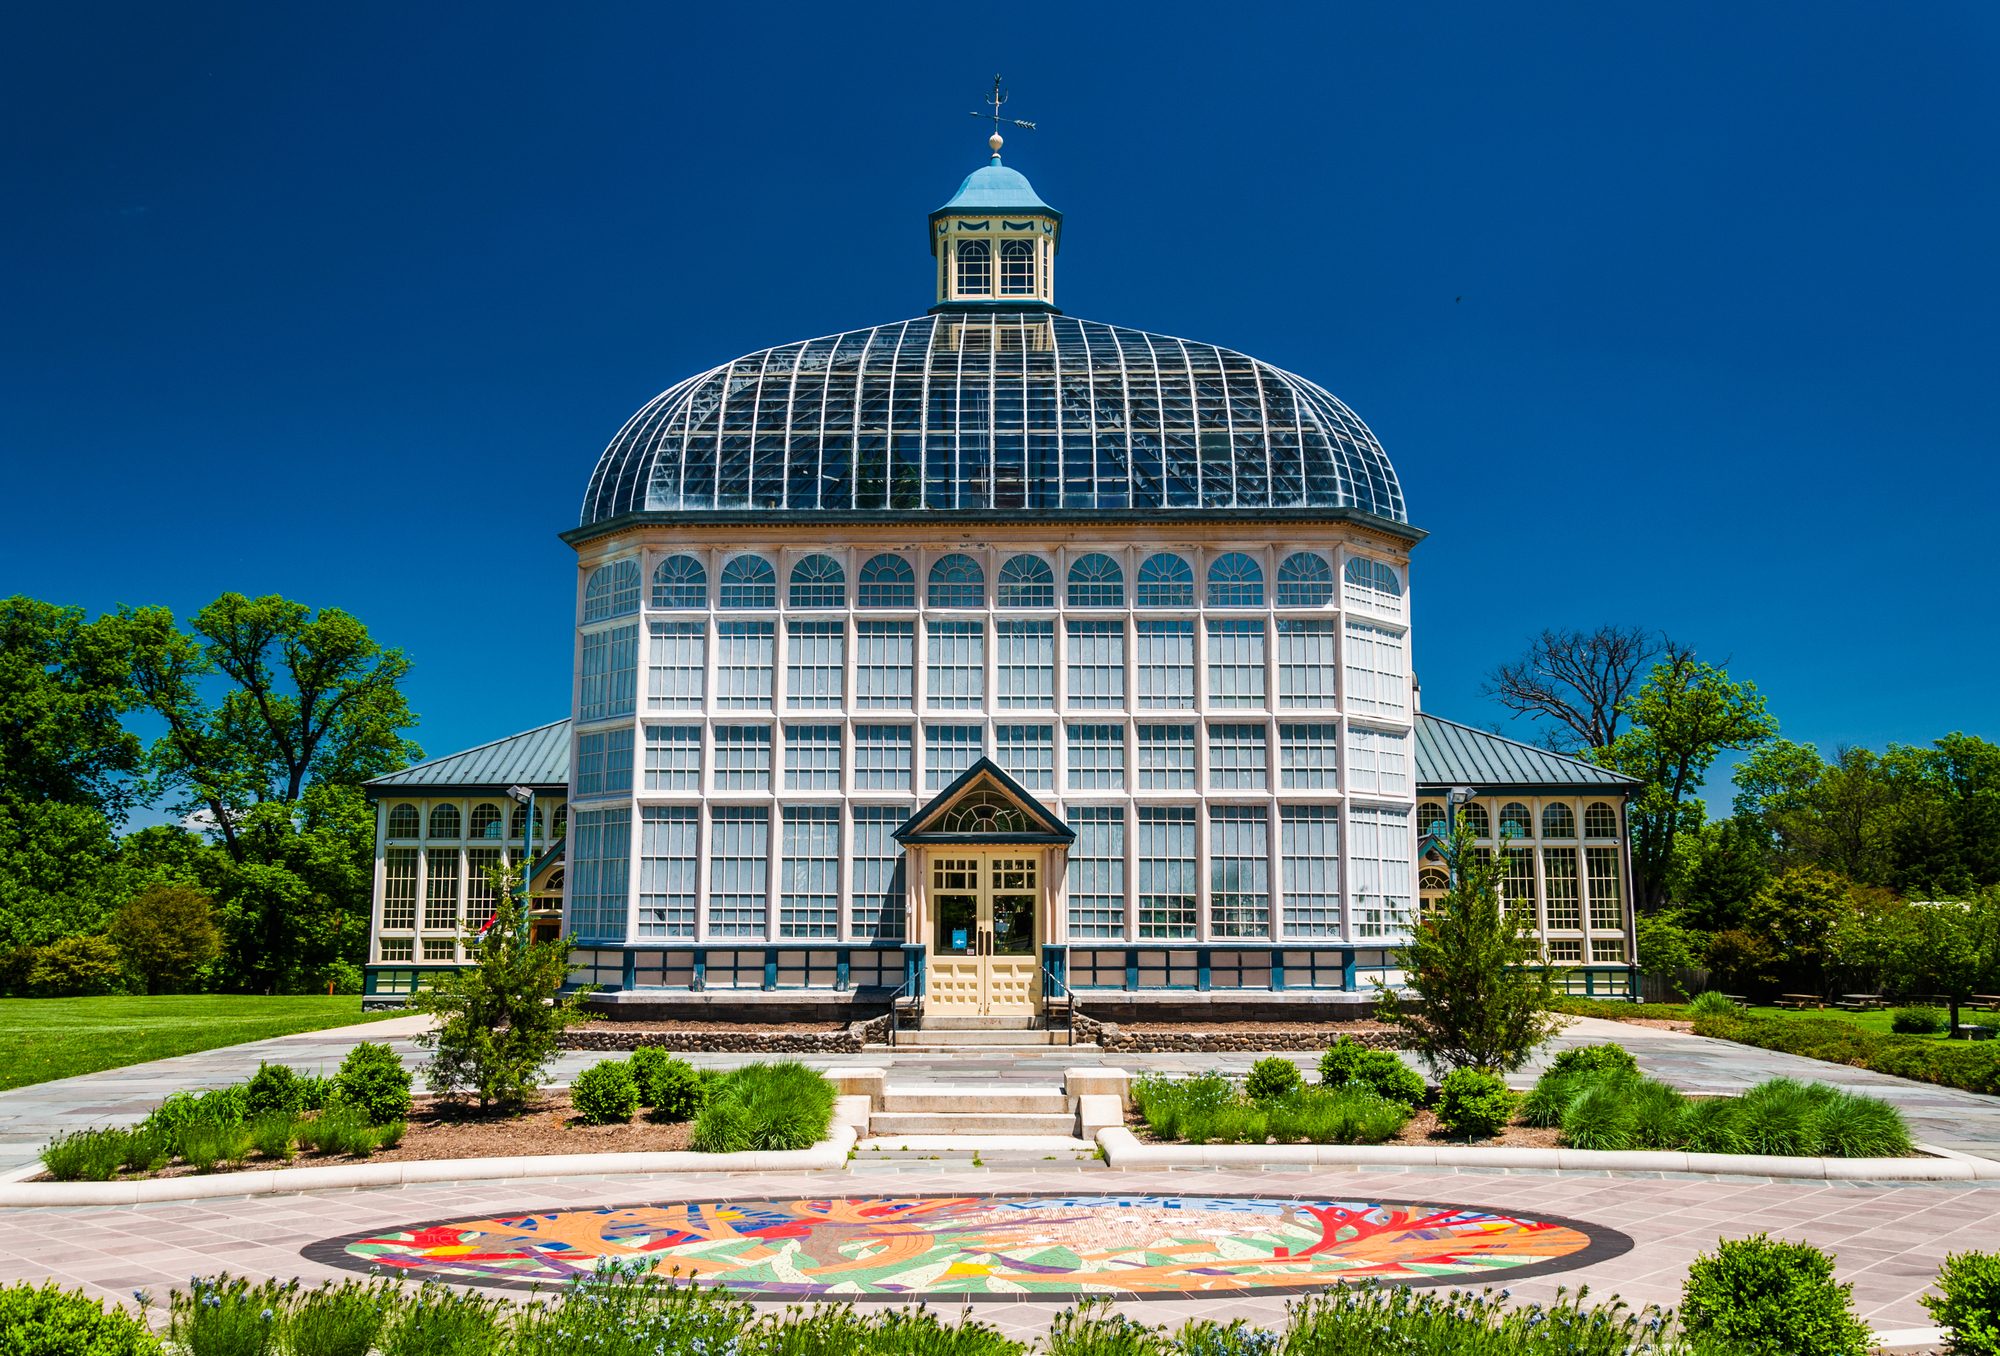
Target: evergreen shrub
[
  {"x": 673, "y": 1088},
  {"x": 1349, "y": 1061},
  {"x": 274, "y": 1087},
  {"x": 1968, "y": 1302},
  {"x": 1272, "y": 1078},
  {"x": 1919, "y": 1020},
  {"x": 1474, "y": 1103},
  {"x": 48, "y": 1321},
  {"x": 373, "y": 1082},
  {"x": 1761, "y": 1296},
  {"x": 605, "y": 1093}
]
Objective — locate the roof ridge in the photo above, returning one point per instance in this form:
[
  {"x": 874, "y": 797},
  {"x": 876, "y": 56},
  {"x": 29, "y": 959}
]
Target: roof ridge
[
  {"x": 491, "y": 743},
  {"x": 1522, "y": 744}
]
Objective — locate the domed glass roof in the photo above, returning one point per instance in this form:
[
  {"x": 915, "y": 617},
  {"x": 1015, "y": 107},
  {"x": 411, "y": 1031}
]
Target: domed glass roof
[{"x": 993, "y": 410}]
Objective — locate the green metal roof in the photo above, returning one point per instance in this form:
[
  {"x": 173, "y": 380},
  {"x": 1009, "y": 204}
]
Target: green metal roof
[
  {"x": 1450, "y": 754},
  {"x": 538, "y": 758}
]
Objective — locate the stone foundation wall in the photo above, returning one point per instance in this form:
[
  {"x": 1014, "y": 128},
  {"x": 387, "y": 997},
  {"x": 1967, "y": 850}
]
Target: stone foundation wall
[{"x": 596, "y": 1036}]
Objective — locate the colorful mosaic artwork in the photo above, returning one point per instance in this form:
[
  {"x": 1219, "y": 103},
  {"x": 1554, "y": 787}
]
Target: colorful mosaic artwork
[{"x": 1054, "y": 1246}]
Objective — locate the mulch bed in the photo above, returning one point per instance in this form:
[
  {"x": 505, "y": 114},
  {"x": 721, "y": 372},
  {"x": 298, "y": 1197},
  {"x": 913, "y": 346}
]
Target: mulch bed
[
  {"x": 1330, "y": 1030},
  {"x": 1658, "y": 1023}
]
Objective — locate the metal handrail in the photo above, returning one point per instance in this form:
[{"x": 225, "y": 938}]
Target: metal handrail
[
  {"x": 1049, "y": 984},
  {"x": 903, "y": 990}
]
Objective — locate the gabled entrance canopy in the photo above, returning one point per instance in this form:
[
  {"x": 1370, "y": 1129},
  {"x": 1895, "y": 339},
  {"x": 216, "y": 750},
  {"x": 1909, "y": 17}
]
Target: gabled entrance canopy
[{"x": 984, "y": 807}]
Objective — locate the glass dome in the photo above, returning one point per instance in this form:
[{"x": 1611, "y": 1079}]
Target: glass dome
[{"x": 993, "y": 410}]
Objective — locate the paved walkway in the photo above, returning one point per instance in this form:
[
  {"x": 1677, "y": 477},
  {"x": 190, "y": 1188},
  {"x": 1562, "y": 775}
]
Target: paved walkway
[
  {"x": 1889, "y": 1240},
  {"x": 1965, "y": 1121}
]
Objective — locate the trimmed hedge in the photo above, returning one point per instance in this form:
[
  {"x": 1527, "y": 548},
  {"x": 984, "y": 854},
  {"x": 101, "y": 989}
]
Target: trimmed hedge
[
  {"x": 1957, "y": 1064},
  {"x": 1619, "y": 1012}
]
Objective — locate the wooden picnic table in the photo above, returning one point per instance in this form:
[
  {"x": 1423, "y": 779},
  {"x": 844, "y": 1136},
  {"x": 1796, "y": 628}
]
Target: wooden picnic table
[
  {"x": 1860, "y": 1002},
  {"x": 1800, "y": 1001},
  {"x": 1985, "y": 1002}
]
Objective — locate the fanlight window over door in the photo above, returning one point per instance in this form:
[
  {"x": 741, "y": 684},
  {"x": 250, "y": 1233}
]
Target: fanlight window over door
[{"x": 986, "y": 812}]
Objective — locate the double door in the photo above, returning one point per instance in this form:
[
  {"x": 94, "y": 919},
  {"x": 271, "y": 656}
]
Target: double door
[{"x": 983, "y": 957}]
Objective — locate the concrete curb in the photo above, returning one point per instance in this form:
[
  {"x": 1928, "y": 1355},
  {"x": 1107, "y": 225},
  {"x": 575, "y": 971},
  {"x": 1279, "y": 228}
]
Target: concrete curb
[
  {"x": 1123, "y": 1150},
  {"x": 829, "y": 1154}
]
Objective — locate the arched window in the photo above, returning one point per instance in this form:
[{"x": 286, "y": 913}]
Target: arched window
[
  {"x": 1475, "y": 814},
  {"x": 1017, "y": 268},
  {"x": 818, "y": 581},
  {"x": 1374, "y": 584},
  {"x": 1433, "y": 880},
  {"x": 1516, "y": 820},
  {"x": 1305, "y": 580},
  {"x": 612, "y": 591},
  {"x": 887, "y": 581},
  {"x": 562, "y": 820},
  {"x": 1599, "y": 821},
  {"x": 1235, "y": 580},
  {"x": 404, "y": 822},
  {"x": 519, "y": 820},
  {"x": 1431, "y": 818},
  {"x": 444, "y": 821},
  {"x": 680, "y": 582},
  {"x": 985, "y": 812},
  {"x": 1096, "y": 581},
  {"x": 1558, "y": 821},
  {"x": 975, "y": 269},
  {"x": 1165, "y": 581},
  {"x": 1027, "y": 581},
  {"x": 957, "y": 581},
  {"x": 749, "y": 581},
  {"x": 485, "y": 821}
]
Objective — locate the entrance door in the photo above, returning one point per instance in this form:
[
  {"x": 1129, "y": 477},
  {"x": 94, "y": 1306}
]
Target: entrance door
[{"x": 983, "y": 959}]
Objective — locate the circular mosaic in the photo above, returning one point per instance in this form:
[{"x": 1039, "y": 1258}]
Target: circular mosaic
[{"x": 1021, "y": 1247}]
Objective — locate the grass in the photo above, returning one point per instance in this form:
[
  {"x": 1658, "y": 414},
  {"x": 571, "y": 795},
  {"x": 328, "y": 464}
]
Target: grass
[{"x": 47, "y": 1038}]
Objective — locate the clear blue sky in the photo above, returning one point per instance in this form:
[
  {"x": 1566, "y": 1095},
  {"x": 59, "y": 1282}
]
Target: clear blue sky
[{"x": 342, "y": 301}]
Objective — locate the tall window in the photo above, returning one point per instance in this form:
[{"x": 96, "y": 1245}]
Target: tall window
[
  {"x": 1374, "y": 586},
  {"x": 441, "y": 888},
  {"x": 1236, "y": 663},
  {"x": 1517, "y": 887},
  {"x": 812, "y": 758},
  {"x": 1168, "y": 885},
  {"x": 739, "y": 868},
  {"x": 809, "y": 898},
  {"x": 955, "y": 665},
  {"x": 1558, "y": 821},
  {"x": 1096, "y": 665},
  {"x": 1239, "y": 871},
  {"x": 1096, "y": 757},
  {"x": 1474, "y": 814},
  {"x": 1026, "y": 581},
  {"x": 485, "y": 822},
  {"x": 680, "y": 582},
  {"x": 1017, "y": 268},
  {"x": 1377, "y": 762},
  {"x": 610, "y": 673},
  {"x": 1379, "y": 858},
  {"x": 1025, "y": 664},
  {"x": 1516, "y": 820},
  {"x": 1559, "y": 871},
  {"x": 749, "y": 582},
  {"x": 517, "y": 821},
  {"x": 1308, "y": 663},
  {"x": 1166, "y": 758},
  {"x": 613, "y": 591},
  {"x": 399, "y": 888},
  {"x": 1165, "y": 581},
  {"x": 1235, "y": 580},
  {"x": 884, "y": 657},
  {"x": 1599, "y": 821},
  {"x": 818, "y": 581},
  {"x": 673, "y": 757},
  {"x": 887, "y": 581},
  {"x": 743, "y": 758},
  {"x": 1096, "y": 581},
  {"x": 603, "y": 764},
  {"x": 878, "y": 899},
  {"x": 948, "y": 751},
  {"x": 957, "y": 581},
  {"x": 1309, "y": 757},
  {"x": 1377, "y": 678},
  {"x": 403, "y": 822},
  {"x": 1305, "y": 580},
  {"x": 975, "y": 268},
  {"x": 881, "y": 758},
  {"x": 1238, "y": 758},
  {"x": 743, "y": 662},
  {"x": 444, "y": 821},
  {"x": 600, "y": 873},
  {"x": 1309, "y": 844},
  {"x": 1166, "y": 664},
  {"x": 815, "y": 664},
  {"x": 668, "y": 843},
  {"x": 1028, "y": 754},
  {"x": 1097, "y": 871},
  {"x": 676, "y": 666},
  {"x": 480, "y": 898},
  {"x": 1607, "y": 901}
]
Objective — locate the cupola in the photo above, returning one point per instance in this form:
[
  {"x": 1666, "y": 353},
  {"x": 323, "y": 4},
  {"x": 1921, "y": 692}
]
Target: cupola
[{"x": 995, "y": 243}]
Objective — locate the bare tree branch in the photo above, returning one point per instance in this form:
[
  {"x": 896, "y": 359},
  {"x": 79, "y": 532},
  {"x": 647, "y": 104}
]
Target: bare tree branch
[{"x": 1577, "y": 681}]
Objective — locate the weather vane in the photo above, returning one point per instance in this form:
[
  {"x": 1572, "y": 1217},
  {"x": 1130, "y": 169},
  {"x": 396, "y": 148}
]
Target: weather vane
[{"x": 999, "y": 97}]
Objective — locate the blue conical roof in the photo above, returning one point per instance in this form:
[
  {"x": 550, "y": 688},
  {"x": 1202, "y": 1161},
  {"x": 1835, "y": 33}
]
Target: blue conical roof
[{"x": 995, "y": 188}]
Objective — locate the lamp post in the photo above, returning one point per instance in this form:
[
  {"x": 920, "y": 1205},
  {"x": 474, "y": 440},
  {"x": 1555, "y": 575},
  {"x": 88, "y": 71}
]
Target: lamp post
[{"x": 525, "y": 795}]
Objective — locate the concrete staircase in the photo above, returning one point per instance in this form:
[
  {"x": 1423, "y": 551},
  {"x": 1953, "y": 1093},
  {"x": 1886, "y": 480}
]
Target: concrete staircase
[
  {"x": 945, "y": 1118},
  {"x": 937, "y": 1033},
  {"x": 973, "y": 1110}
]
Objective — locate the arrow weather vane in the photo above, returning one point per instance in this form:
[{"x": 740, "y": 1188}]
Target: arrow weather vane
[{"x": 994, "y": 101}]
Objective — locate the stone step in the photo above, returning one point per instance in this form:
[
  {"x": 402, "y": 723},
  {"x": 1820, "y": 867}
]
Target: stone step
[
  {"x": 1018, "y": 1022},
  {"x": 893, "y": 1123},
  {"x": 1005, "y": 1036},
  {"x": 912, "y": 1044},
  {"x": 980, "y": 1100}
]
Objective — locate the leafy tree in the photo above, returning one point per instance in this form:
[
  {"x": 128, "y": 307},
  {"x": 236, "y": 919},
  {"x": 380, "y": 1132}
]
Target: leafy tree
[
  {"x": 500, "y": 1019},
  {"x": 1665, "y": 946},
  {"x": 1721, "y": 871},
  {"x": 1685, "y": 715},
  {"x": 1739, "y": 959},
  {"x": 59, "y": 873},
  {"x": 1577, "y": 682},
  {"x": 167, "y": 935},
  {"x": 76, "y": 967},
  {"x": 1797, "y": 916},
  {"x": 1938, "y": 951},
  {"x": 64, "y": 683},
  {"x": 1483, "y": 998}
]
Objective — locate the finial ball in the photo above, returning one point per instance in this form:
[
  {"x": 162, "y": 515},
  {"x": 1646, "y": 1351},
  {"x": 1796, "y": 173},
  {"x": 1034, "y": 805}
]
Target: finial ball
[{"x": 996, "y": 142}]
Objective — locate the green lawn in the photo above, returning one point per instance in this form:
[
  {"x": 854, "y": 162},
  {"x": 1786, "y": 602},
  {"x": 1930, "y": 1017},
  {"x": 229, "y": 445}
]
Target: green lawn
[
  {"x": 1875, "y": 1023},
  {"x": 45, "y": 1038}
]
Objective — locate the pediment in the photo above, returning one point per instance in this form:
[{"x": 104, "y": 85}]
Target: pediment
[{"x": 985, "y": 806}]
